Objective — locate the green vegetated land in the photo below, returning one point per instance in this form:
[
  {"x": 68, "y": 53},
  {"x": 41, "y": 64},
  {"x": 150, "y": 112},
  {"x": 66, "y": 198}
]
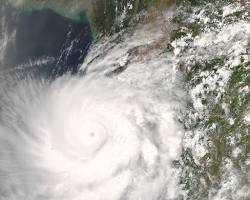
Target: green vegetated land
[
  {"x": 210, "y": 43},
  {"x": 105, "y": 16},
  {"x": 212, "y": 39},
  {"x": 109, "y": 16}
]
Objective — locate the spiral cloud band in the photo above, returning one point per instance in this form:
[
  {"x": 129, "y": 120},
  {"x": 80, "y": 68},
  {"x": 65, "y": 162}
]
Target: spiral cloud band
[
  {"x": 84, "y": 139},
  {"x": 96, "y": 136}
]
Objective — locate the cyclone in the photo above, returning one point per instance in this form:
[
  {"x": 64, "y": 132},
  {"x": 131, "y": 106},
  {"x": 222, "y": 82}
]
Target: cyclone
[
  {"x": 124, "y": 100},
  {"x": 110, "y": 131},
  {"x": 85, "y": 138}
]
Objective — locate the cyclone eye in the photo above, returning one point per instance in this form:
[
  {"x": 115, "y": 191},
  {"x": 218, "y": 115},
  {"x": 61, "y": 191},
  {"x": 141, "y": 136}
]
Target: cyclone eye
[
  {"x": 85, "y": 139},
  {"x": 92, "y": 134}
]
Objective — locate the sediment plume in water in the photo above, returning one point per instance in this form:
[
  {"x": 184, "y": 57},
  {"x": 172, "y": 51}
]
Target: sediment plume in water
[
  {"x": 115, "y": 129},
  {"x": 98, "y": 135},
  {"x": 105, "y": 16}
]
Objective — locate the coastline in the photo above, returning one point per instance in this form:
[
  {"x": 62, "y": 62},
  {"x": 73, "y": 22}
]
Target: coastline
[{"x": 104, "y": 16}]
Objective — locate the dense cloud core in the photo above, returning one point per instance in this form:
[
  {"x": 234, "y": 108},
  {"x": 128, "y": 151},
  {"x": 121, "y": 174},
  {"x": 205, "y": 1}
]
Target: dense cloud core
[
  {"x": 109, "y": 133},
  {"x": 84, "y": 138}
]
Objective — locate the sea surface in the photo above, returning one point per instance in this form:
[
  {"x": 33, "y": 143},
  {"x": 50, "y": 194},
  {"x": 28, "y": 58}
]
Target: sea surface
[{"x": 124, "y": 100}]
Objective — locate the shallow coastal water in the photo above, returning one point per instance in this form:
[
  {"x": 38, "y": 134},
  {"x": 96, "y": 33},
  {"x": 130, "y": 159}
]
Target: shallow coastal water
[
  {"x": 59, "y": 43},
  {"x": 155, "y": 106}
]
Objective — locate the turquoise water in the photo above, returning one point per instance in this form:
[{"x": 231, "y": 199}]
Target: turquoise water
[
  {"x": 43, "y": 35},
  {"x": 178, "y": 79}
]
